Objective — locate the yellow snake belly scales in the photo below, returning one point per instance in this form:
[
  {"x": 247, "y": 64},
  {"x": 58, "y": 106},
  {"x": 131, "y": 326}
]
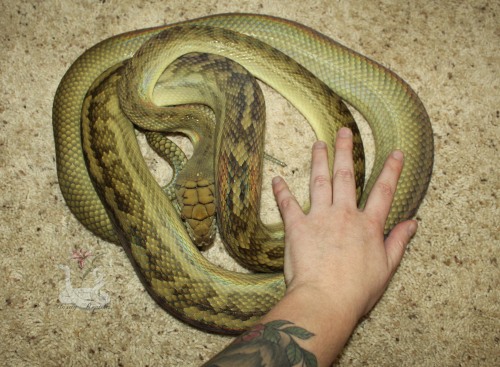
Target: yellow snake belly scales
[{"x": 121, "y": 202}]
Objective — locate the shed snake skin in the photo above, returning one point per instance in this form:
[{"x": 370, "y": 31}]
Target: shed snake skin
[{"x": 109, "y": 189}]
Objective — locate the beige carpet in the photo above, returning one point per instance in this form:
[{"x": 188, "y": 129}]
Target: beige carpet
[{"x": 443, "y": 307}]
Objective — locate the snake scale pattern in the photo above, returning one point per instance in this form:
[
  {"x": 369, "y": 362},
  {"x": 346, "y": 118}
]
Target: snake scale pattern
[{"x": 135, "y": 79}]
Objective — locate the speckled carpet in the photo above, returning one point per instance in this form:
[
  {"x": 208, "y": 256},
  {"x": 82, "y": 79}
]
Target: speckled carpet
[{"x": 443, "y": 306}]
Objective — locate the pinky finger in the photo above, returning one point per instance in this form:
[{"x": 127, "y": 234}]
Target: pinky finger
[{"x": 289, "y": 207}]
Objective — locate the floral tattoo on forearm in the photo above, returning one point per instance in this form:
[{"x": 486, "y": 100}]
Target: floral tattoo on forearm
[{"x": 275, "y": 343}]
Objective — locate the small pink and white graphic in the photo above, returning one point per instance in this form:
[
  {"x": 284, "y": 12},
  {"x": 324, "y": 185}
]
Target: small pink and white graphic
[{"x": 91, "y": 296}]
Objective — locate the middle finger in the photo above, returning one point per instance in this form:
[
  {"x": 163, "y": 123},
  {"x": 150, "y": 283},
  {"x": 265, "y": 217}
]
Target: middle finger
[{"x": 344, "y": 185}]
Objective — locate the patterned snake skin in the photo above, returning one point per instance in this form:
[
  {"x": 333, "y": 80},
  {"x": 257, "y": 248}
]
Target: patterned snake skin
[{"x": 131, "y": 78}]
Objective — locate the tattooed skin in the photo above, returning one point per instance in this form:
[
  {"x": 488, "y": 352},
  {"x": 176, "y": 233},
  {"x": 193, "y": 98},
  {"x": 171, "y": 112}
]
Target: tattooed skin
[{"x": 272, "y": 344}]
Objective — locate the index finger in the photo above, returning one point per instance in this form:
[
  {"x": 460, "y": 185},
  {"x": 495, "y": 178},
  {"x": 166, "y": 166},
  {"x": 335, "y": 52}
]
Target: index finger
[{"x": 380, "y": 198}]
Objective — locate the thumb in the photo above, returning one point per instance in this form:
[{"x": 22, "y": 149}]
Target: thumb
[{"x": 397, "y": 241}]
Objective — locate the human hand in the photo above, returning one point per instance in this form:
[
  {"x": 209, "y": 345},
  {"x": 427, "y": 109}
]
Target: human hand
[
  {"x": 337, "y": 254},
  {"x": 337, "y": 263}
]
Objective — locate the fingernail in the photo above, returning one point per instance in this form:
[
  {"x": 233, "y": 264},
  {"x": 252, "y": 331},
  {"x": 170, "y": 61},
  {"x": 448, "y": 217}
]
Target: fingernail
[
  {"x": 345, "y": 132},
  {"x": 397, "y": 154},
  {"x": 319, "y": 145},
  {"x": 412, "y": 228},
  {"x": 276, "y": 180}
]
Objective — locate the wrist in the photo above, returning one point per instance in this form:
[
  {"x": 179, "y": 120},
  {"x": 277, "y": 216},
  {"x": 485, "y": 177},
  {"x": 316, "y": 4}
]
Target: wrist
[
  {"x": 330, "y": 321},
  {"x": 337, "y": 305},
  {"x": 329, "y": 309}
]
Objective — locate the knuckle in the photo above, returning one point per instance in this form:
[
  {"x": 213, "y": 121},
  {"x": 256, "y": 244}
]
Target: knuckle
[
  {"x": 285, "y": 202},
  {"x": 375, "y": 225},
  {"x": 344, "y": 174},
  {"x": 385, "y": 188},
  {"x": 321, "y": 180},
  {"x": 279, "y": 188}
]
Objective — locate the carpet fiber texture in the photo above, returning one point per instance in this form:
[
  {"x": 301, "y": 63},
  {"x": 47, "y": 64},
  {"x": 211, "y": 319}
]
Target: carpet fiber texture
[{"x": 443, "y": 305}]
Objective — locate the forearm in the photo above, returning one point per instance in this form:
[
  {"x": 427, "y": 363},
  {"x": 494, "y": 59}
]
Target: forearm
[{"x": 302, "y": 329}]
